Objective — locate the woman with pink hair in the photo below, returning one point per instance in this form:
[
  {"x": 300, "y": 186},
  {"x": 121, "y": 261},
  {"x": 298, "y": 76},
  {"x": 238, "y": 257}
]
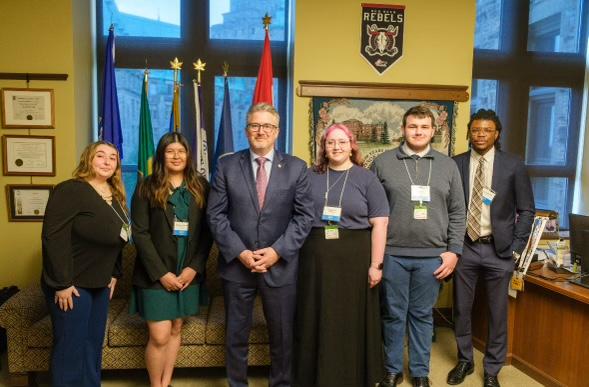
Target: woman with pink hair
[{"x": 337, "y": 333}]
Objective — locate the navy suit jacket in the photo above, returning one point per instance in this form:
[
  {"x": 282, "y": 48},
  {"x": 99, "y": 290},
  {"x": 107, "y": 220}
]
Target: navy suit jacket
[
  {"x": 514, "y": 195},
  {"x": 237, "y": 223}
]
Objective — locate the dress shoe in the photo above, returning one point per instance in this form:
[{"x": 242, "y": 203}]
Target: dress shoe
[
  {"x": 391, "y": 380},
  {"x": 420, "y": 381},
  {"x": 490, "y": 381},
  {"x": 458, "y": 373}
]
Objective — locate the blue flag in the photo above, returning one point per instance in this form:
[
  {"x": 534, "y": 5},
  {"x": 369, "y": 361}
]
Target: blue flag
[
  {"x": 225, "y": 134},
  {"x": 110, "y": 120}
]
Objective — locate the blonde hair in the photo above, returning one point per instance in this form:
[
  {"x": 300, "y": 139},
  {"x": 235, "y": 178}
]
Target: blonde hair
[{"x": 84, "y": 170}]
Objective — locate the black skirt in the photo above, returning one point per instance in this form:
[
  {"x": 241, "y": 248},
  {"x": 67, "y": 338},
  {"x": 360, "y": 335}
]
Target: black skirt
[{"x": 338, "y": 328}]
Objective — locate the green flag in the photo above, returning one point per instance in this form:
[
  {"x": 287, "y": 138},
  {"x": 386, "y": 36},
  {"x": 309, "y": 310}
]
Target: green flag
[{"x": 146, "y": 150}]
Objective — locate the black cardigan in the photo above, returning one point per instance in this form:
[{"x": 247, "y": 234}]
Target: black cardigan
[
  {"x": 157, "y": 248},
  {"x": 81, "y": 238}
]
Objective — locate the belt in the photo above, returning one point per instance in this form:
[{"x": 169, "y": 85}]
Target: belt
[{"x": 485, "y": 239}]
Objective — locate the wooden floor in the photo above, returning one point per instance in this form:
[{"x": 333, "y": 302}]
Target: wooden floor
[{"x": 443, "y": 359}]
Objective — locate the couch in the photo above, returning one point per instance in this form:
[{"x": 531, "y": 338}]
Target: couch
[{"x": 28, "y": 328}]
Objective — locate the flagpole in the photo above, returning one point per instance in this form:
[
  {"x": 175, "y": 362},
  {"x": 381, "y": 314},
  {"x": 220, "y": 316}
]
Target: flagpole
[{"x": 175, "y": 117}]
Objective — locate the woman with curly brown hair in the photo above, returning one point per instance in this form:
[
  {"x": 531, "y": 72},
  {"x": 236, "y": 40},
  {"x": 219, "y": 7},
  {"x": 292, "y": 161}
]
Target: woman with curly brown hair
[
  {"x": 173, "y": 242},
  {"x": 84, "y": 230}
]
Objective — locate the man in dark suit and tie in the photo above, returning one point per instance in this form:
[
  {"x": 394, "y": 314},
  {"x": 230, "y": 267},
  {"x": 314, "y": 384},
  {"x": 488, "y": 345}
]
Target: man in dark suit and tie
[
  {"x": 500, "y": 213},
  {"x": 260, "y": 211}
]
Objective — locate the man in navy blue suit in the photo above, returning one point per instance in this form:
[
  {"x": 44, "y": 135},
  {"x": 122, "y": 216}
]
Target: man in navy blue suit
[
  {"x": 260, "y": 212},
  {"x": 500, "y": 213}
]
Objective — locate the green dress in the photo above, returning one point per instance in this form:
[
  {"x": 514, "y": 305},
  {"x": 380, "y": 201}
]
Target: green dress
[{"x": 159, "y": 304}]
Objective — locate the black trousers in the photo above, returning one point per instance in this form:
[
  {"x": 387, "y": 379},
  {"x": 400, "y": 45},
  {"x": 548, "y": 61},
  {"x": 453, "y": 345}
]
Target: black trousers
[
  {"x": 279, "y": 308},
  {"x": 479, "y": 261}
]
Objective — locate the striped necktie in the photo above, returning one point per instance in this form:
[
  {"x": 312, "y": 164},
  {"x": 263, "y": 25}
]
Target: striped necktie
[{"x": 473, "y": 228}]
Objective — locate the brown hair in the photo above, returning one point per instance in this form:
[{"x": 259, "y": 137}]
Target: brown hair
[
  {"x": 84, "y": 170},
  {"x": 322, "y": 161},
  {"x": 419, "y": 111},
  {"x": 156, "y": 189}
]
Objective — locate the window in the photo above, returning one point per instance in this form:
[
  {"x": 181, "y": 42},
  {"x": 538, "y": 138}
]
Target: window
[
  {"x": 533, "y": 73},
  {"x": 155, "y": 32},
  {"x": 484, "y": 94}
]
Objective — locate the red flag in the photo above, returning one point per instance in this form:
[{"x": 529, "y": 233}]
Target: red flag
[{"x": 264, "y": 85}]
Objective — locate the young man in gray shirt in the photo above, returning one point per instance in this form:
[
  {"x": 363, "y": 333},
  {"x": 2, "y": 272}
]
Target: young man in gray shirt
[{"x": 425, "y": 236}]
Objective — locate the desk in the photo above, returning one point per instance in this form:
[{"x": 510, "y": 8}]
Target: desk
[{"x": 548, "y": 331}]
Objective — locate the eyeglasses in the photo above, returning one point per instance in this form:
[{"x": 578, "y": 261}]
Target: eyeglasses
[
  {"x": 174, "y": 153},
  {"x": 332, "y": 143},
  {"x": 483, "y": 131},
  {"x": 253, "y": 127}
]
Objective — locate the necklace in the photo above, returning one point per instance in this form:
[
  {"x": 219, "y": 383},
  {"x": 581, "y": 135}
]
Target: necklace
[{"x": 104, "y": 192}]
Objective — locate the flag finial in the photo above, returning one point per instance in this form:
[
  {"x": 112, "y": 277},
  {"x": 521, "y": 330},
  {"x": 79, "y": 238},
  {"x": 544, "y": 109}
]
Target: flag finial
[
  {"x": 267, "y": 20},
  {"x": 225, "y": 69},
  {"x": 199, "y": 66}
]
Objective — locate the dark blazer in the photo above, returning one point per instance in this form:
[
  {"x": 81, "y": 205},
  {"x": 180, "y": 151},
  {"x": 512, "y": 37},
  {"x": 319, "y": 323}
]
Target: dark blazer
[
  {"x": 237, "y": 223},
  {"x": 514, "y": 196},
  {"x": 157, "y": 248}
]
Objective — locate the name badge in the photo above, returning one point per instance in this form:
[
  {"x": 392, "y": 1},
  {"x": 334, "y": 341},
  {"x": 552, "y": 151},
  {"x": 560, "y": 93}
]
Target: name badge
[
  {"x": 332, "y": 214},
  {"x": 125, "y": 233},
  {"x": 331, "y": 232},
  {"x": 420, "y": 212},
  {"x": 420, "y": 193},
  {"x": 180, "y": 228},
  {"x": 488, "y": 196}
]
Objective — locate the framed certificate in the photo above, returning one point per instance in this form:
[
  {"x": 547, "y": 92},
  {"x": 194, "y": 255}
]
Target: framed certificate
[
  {"x": 26, "y": 203},
  {"x": 28, "y": 155},
  {"x": 28, "y": 108}
]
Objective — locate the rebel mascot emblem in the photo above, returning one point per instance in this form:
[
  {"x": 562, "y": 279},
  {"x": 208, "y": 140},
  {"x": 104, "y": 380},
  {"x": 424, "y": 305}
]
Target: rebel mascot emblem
[{"x": 382, "y": 35}]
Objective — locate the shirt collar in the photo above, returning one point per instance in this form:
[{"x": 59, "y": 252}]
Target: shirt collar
[
  {"x": 269, "y": 156},
  {"x": 410, "y": 152},
  {"x": 490, "y": 155}
]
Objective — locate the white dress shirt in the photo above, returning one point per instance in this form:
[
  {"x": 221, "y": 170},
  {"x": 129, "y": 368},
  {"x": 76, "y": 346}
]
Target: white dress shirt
[{"x": 487, "y": 180}]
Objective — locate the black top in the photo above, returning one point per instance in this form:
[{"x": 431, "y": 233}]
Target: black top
[
  {"x": 81, "y": 238},
  {"x": 157, "y": 247}
]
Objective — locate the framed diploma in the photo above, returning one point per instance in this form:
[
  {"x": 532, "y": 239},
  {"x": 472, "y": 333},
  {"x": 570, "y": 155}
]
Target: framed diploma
[
  {"x": 28, "y": 108},
  {"x": 26, "y": 203},
  {"x": 28, "y": 155}
]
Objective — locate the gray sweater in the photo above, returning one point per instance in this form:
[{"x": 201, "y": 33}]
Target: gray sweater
[{"x": 444, "y": 228}]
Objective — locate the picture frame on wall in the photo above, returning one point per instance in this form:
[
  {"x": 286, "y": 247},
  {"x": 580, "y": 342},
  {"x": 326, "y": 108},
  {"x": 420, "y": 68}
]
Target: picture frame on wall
[
  {"x": 374, "y": 112},
  {"x": 27, "y": 108},
  {"x": 377, "y": 124},
  {"x": 27, "y": 203},
  {"x": 28, "y": 155}
]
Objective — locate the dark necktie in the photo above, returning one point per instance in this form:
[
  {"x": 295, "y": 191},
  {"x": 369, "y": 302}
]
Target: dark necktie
[
  {"x": 476, "y": 203},
  {"x": 261, "y": 180}
]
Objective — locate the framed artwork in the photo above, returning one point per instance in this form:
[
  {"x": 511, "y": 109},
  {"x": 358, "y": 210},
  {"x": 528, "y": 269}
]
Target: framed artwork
[
  {"x": 374, "y": 112},
  {"x": 28, "y": 108},
  {"x": 28, "y": 155},
  {"x": 377, "y": 123},
  {"x": 26, "y": 203}
]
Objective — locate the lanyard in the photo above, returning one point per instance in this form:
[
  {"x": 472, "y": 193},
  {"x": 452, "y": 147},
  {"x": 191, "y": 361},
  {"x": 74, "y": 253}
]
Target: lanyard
[
  {"x": 429, "y": 177},
  {"x": 128, "y": 222},
  {"x": 328, "y": 187}
]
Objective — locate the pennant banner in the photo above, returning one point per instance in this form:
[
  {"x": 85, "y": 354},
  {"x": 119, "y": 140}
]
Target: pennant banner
[{"x": 382, "y": 35}]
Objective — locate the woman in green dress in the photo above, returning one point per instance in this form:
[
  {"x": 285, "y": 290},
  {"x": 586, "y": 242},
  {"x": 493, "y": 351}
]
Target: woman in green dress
[{"x": 173, "y": 242}]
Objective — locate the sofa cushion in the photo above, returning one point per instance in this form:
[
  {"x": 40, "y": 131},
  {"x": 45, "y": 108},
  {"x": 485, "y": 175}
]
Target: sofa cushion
[
  {"x": 130, "y": 330},
  {"x": 39, "y": 335},
  {"x": 216, "y": 323}
]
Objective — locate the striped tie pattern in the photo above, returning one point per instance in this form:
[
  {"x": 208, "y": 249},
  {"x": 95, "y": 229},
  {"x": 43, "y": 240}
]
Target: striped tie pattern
[{"x": 473, "y": 228}]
